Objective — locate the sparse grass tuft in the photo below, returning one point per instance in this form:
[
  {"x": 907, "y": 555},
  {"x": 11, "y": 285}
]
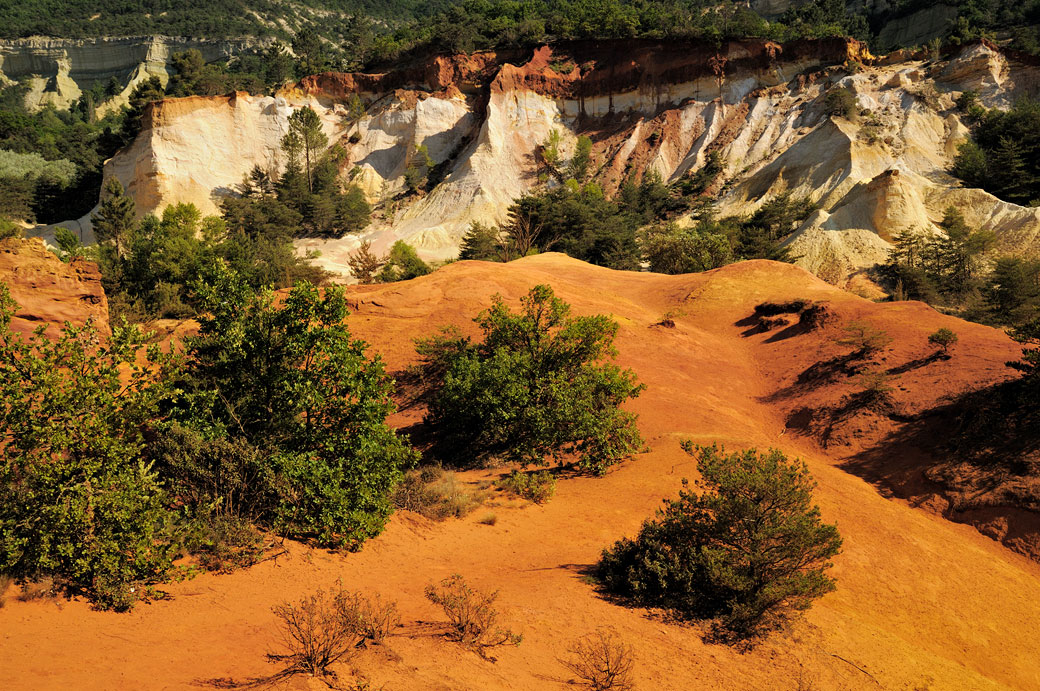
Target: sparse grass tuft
[
  {"x": 489, "y": 519},
  {"x": 39, "y": 589},
  {"x": 536, "y": 486},
  {"x": 437, "y": 494}
]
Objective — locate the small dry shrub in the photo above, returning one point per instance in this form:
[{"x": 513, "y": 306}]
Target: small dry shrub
[
  {"x": 770, "y": 323},
  {"x": 490, "y": 519},
  {"x": 436, "y": 493},
  {"x": 472, "y": 615},
  {"x": 537, "y": 486},
  {"x": 377, "y": 618},
  {"x": 876, "y": 385},
  {"x": 5, "y": 583},
  {"x": 39, "y": 589},
  {"x": 863, "y": 338},
  {"x": 326, "y": 627},
  {"x": 814, "y": 316},
  {"x": 602, "y": 661}
]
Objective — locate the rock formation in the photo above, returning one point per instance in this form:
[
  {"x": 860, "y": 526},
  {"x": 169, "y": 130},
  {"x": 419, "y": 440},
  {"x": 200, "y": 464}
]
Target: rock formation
[
  {"x": 60, "y": 70},
  {"x": 646, "y": 105},
  {"x": 49, "y": 291}
]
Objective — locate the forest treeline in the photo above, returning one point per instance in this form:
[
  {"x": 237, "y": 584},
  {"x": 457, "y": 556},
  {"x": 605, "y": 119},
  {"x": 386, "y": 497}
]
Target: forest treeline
[{"x": 396, "y": 26}]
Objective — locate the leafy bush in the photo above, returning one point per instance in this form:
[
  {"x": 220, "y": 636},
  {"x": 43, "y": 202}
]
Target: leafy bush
[
  {"x": 77, "y": 499},
  {"x": 536, "y": 486},
  {"x": 670, "y": 249},
  {"x": 402, "y": 263},
  {"x": 536, "y": 387},
  {"x": 291, "y": 382},
  {"x": 748, "y": 552},
  {"x": 9, "y": 230},
  {"x": 471, "y": 614},
  {"x": 602, "y": 661}
]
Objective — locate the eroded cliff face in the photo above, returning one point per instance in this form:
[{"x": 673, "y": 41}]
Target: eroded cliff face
[
  {"x": 647, "y": 106},
  {"x": 49, "y": 291},
  {"x": 60, "y": 70}
]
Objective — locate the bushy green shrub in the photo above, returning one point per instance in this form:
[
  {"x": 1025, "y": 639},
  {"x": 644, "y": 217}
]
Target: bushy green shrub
[
  {"x": 537, "y": 387},
  {"x": 114, "y": 461},
  {"x": 290, "y": 381},
  {"x": 402, "y": 263},
  {"x": 9, "y": 230},
  {"x": 747, "y": 552},
  {"x": 673, "y": 250},
  {"x": 77, "y": 499}
]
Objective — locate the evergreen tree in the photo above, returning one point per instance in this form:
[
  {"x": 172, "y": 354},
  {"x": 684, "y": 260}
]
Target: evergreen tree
[
  {"x": 750, "y": 550},
  {"x": 364, "y": 263},
  {"x": 306, "y": 138},
  {"x": 115, "y": 218}
]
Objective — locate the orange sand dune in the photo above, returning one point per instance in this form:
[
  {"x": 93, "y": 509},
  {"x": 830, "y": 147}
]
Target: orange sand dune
[{"x": 922, "y": 603}]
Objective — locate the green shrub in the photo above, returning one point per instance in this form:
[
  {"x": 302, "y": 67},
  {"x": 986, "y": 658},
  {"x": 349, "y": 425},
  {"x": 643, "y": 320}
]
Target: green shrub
[
  {"x": 670, "y": 249},
  {"x": 9, "y": 229},
  {"x": 943, "y": 339},
  {"x": 535, "y": 388},
  {"x": 290, "y": 381},
  {"x": 747, "y": 552},
  {"x": 842, "y": 103},
  {"x": 77, "y": 499},
  {"x": 401, "y": 264},
  {"x": 536, "y": 486}
]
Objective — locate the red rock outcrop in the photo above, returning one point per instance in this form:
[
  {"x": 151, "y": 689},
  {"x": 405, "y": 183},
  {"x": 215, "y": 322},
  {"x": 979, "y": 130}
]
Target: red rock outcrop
[{"x": 49, "y": 291}]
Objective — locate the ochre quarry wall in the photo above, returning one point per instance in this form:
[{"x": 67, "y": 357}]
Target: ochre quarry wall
[{"x": 647, "y": 106}]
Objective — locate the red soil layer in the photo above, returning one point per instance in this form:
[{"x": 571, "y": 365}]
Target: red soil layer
[
  {"x": 921, "y": 602},
  {"x": 49, "y": 291},
  {"x": 599, "y": 67}
]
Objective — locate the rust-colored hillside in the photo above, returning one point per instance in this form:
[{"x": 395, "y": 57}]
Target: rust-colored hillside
[{"x": 922, "y": 602}]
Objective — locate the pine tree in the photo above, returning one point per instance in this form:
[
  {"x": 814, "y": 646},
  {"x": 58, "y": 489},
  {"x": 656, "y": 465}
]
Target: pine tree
[
  {"x": 364, "y": 263},
  {"x": 115, "y": 217},
  {"x": 748, "y": 551},
  {"x": 309, "y": 140}
]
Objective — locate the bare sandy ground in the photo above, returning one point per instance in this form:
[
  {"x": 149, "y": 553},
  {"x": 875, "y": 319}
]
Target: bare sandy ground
[{"x": 922, "y": 603}]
